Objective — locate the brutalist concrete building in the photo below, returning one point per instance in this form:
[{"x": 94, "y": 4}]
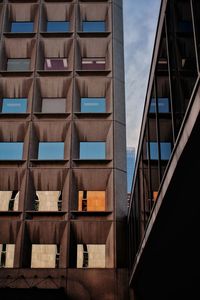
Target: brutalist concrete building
[
  {"x": 164, "y": 210},
  {"x": 62, "y": 150}
]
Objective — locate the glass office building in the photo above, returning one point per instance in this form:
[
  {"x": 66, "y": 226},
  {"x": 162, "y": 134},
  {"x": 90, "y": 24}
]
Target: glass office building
[{"x": 164, "y": 205}]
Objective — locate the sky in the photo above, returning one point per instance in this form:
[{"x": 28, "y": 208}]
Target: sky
[{"x": 140, "y": 22}]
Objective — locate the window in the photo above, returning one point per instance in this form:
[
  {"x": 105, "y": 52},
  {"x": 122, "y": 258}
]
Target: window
[
  {"x": 14, "y": 105},
  {"x": 22, "y": 27},
  {"x": 58, "y": 26},
  {"x": 57, "y": 256},
  {"x": 163, "y": 105},
  {"x": 96, "y": 64},
  {"x": 18, "y": 64},
  {"x": 165, "y": 150},
  {"x": 93, "y": 105},
  {"x": 9, "y": 200},
  {"x": 91, "y": 200},
  {"x": 7, "y": 252},
  {"x": 55, "y": 64},
  {"x": 162, "y": 63},
  {"x": 91, "y": 256},
  {"x": 48, "y": 201},
  {"x": 94, "y": 26},
  {"x": 51, "y": 150},
  {"x": 155, "y": 195},
  {"x": 92, "y": 150},
  {"x": 11, "y": 150},
  {"x": 185, "y": 26},
  {"x": 44, "y": 256},
  {"x": 53, "y": 105}
]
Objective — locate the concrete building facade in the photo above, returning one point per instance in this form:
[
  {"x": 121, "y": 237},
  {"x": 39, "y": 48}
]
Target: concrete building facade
[{"x": 62, "y": 150}]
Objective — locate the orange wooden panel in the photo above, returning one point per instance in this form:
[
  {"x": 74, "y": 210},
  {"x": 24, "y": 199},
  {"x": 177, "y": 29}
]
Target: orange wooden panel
[
  {"x": 95, "y": 200},
  {"x": 155, "y": 194}
]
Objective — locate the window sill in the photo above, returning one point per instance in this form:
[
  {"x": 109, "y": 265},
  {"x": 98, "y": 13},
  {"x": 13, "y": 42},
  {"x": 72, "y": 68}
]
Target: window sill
[
  {"x": 38, "y": 215},
  {"x": 35, "y": 160},
  {"x": 13, "y": 115},
  {"x": 51, "y": 115},
  {"x": 10, "y": 212},
  {"x": 19, "y": 34},
  {"x": 92, "y": 114},
  {"x": 16, "y": 73},
  {"x": 56, "y": 34},
  {"x": 93, "y": 72},
  {"x": 54, "y": 72},
  {"x": 45, "y": 212},
  {"x": 12, "y": 161},
  {"x": 94, "y": 33},
  {"x": 96, "y": 160},
  {"x": 90, "y": 213}
]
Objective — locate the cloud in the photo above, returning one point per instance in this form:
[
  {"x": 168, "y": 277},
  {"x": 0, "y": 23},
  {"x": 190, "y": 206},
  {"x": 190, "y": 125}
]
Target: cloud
[{"x": 140, "y": 20}]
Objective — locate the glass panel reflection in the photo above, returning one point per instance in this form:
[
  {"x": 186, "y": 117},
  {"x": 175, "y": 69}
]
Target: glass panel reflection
[
  {"x": 165, "y": 150},
  {"x": 95, "y": 105},
  {"x": 163, "y": 105},
  {"x": 18, "y": 64},
  {"x": 92, "y": 150},
  {"x": 51, "y": 150},
  {"x": 22, "y": 27},
  {"x": 14, "y": 105},
  {"x": 11, "y": 150},
  {"x": 94, "y": 26},
  {"x": 58, "y": 26}
]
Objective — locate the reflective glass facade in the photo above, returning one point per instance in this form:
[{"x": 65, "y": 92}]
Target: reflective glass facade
[
  {"x": 58, "y": 26},
  {"x": 165, "y": 150},
  {"x": 163, "y": 105},
  {"x": 94, "y": 26},
  {"x": 51, "y": 150},
  {"x": 92, "y": 150},
  {"x": 93, "y": 105},
  {"x": 22, "y": 27},
  {"x": 18, "y": 64},
  {"x": 14, "y": 105},
  {"x": 11, "y": 150}
]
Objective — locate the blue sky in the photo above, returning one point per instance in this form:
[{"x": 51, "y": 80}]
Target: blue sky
[{"x": 140, "y": 21}]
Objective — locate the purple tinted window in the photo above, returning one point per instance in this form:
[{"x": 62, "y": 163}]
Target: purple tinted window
[
  {"x": 93, "y": 64},
  {"x": 55, "y": 64}
]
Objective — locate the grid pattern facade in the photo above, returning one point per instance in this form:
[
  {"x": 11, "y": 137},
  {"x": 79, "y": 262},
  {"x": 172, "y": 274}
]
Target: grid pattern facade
[
  {"x": 62, "y": 140},
  {"x": 172, "y": 88}
]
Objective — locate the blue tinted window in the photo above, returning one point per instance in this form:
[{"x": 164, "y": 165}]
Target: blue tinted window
[
  {"x": 185, "y": 26},
  {"x": 93, "y": 105},
  {"x": 92, "y": 150},
  {"x": 22, "y": 27},
  {"x": 94, "y": 26},
  {"x": 153, "y": 150},
  {"x": 163, "y": 105},
  {"x": 11, "y": 151},
  {"x": 14, "y": 105},
  {"x": 130, "y": 159},
  {"x": 165, "y": 150},
  {"x": 51, "y": 150},
  {"x": 57, "y": 26},
  {"x": 18, "y": 64}
]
